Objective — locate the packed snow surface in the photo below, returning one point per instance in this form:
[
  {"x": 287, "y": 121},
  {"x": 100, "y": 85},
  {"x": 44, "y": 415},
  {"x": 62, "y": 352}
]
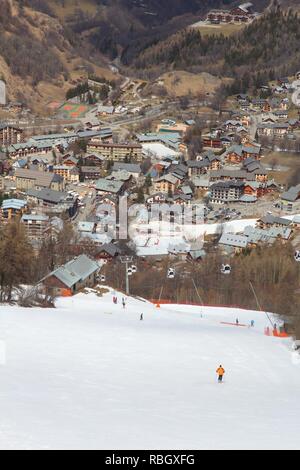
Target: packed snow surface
[{"x": 90, "y": 375}]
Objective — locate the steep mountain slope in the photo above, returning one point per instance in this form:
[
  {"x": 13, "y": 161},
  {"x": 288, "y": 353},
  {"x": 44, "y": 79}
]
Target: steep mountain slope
[{"x": 37, "y": 59}]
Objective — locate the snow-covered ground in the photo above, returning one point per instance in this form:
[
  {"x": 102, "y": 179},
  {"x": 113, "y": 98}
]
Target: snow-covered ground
[
  {"x": 166, "y": 237},
  {"x": 159, "y": 151},
  {"x": 92, "y": 375}
]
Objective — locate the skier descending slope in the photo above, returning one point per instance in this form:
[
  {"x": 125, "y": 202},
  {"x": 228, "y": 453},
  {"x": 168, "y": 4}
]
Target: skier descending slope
[{"x": 220, "y": 371}]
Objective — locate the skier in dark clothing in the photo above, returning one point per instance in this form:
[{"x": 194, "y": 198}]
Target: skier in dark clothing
[{"x": 142, "y": 317}]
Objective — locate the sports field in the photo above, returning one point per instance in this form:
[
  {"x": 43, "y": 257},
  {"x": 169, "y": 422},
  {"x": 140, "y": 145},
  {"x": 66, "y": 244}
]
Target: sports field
[{"x": 73, "y": 111}]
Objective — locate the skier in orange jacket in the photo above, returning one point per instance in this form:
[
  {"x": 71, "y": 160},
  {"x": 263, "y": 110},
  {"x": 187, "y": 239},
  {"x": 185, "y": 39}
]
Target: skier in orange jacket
[{"x": 220, "y": 371}]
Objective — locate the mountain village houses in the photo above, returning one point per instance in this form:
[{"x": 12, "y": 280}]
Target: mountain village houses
[{"x": 45, "y": 182}]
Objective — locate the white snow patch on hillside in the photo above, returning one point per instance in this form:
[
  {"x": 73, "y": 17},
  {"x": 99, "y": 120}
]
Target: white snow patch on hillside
[{"x": 90, "y": 375}]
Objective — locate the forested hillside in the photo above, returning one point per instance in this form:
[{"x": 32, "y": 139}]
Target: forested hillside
[
  {"x": 270, "y": 46},
  {"x": 123, "y": 27}
]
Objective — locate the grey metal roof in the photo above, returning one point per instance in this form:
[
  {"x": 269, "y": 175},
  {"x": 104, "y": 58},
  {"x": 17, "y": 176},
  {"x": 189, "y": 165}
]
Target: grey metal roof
[
  {"x": 109, "y": 186},
  {"x": 256, "y": 235},
  {"x": 71, "y": 158},
  {"x": 240, "y": 149},
  {"x": 106, "y": 109},
  {"x": 201, "y": 182},
  {"x": 48, "y": 195},
  {"x": 197, "y": 164},
  {"x": 238, "y": 241},
  {"x": 270, "y": 219},
  {"x": 233, "y": 174},
  {"x": 121, "y": 175},
  {"x": 227, "y": 184},
  {"x": 170, "y": 139},
  {"x": 91, "y": 169},
  {"x": 109, "y": 248},
  {"x": 186, "y": 190},
  {"x": 36, "y": 217},
  {"x": 169, "y": 178},
  {"x": 292, "y": 194},
  {"x": 129, "y": 167},
  {"x": 208, "y": 158},
  {"x": 41, "y": 178},
  {"x": 77, "y": 270},
  {"x": 256, "y": 168}
]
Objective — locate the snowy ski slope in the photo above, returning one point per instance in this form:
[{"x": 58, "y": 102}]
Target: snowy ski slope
[{"x": 90, "y": 375}]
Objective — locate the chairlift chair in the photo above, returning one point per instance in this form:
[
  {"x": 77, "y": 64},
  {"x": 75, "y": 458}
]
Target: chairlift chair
[
  {"x": 297, "y": 256},
  {"x": 226, "y": 269},
  {"x": 171, "y": 273}
]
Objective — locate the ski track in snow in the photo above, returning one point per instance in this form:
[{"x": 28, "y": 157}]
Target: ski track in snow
[{"x": 89, "y": 375}]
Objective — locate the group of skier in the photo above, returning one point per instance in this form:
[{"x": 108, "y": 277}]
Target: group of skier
[
  {"x": 115, "y": 301},
  {"x": 220, "y": 371}
]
